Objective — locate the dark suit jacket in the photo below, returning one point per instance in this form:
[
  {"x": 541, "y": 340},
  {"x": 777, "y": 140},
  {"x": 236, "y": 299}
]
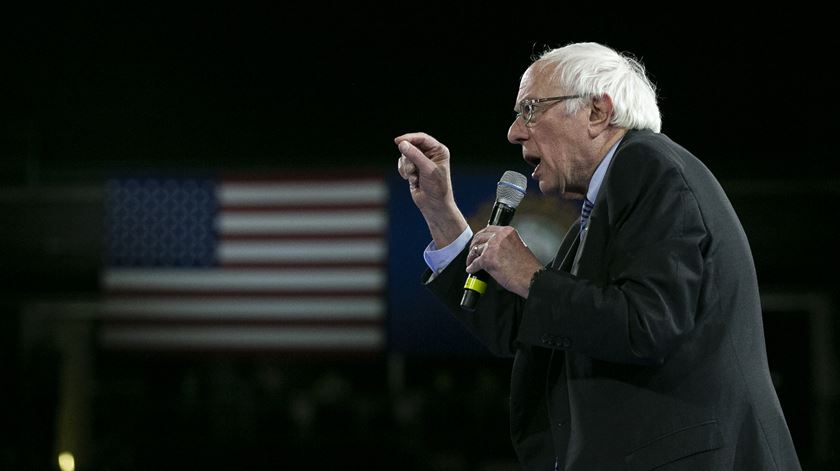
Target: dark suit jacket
[{"x": 653, "y": 354}]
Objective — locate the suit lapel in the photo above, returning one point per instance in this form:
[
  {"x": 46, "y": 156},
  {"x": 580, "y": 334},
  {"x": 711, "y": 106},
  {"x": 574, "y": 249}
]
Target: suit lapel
[{"x": 568, "y": 249}]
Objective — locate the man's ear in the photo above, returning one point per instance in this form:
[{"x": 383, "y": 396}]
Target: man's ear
[{"x": 600, "y": 114}]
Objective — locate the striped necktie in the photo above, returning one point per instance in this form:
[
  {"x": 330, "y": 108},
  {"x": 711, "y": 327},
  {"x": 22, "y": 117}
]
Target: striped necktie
[{"x": 585, "y": 211}]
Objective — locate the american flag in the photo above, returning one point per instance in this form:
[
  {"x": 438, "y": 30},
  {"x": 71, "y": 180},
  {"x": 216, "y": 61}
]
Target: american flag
[{"x": 245, "y": 263}]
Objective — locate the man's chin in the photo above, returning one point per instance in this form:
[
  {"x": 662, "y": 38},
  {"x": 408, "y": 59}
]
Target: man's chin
[
  {"x": 548, "y": 189},
  {"x": 555, "y": 192}
]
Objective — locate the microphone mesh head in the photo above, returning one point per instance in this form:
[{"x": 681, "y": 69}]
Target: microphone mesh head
[{"x": 511, "y": 188}]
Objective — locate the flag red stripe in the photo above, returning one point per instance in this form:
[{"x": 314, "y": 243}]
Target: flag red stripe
[
  {"x": 379, "y": 236},
  {"x": 218, "y": 293},
  {"x": 339, "y": 176},
  {"x": 275, "y": 208},
  {"x": 127, "y": 320},
  {"x": 190, "y": 352},
  {"x": 302, "y": 264}
]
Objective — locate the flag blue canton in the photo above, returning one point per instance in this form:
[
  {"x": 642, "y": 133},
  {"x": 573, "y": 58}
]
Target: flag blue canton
[{"x": 156, "y": 222}]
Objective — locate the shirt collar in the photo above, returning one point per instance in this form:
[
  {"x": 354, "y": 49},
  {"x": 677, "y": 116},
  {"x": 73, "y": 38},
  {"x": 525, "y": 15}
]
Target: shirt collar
[{"x": 600, "y": 171}]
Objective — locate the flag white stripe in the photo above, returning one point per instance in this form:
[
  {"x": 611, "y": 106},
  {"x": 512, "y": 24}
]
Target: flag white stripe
[
  {"x": 307, "y": 192},
  {"x": 371, "y": 308},
  {"x": 302, "y": 251},
  {"x": 303, "y": 338},
  {"x": 245, "y": 280},
  {"x": 314, "y": 222}
]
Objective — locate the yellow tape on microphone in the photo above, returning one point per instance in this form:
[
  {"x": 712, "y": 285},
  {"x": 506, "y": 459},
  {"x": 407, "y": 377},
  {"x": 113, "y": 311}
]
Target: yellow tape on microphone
[{"x": 475, "y": 284}]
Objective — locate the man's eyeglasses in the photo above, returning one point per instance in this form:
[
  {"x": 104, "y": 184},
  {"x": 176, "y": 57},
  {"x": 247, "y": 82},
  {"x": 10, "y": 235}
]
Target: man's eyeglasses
[{"x": 527, "y": 109}]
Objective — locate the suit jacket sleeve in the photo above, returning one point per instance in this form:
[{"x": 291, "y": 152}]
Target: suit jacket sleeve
[
  {"x": 638, "y": 286},
  {"x": 495, "y": 321}
]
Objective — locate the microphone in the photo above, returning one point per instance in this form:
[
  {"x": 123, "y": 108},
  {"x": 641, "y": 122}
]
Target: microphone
[{"x": 509, "y": 193}]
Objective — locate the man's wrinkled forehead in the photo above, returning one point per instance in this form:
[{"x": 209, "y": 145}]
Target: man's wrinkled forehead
[{"x": 536, "y": 81}]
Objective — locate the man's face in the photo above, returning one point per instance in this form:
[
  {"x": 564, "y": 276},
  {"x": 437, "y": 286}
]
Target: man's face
[{"x": 554, "y": 142}]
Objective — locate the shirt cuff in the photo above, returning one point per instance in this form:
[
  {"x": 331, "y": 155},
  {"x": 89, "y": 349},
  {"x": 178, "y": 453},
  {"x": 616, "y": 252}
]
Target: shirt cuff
[{"x": 438, "y": 259}]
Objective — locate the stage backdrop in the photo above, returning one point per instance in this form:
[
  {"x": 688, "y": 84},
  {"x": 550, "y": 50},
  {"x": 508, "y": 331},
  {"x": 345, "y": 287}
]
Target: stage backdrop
[{"x": 290, "y": 263}]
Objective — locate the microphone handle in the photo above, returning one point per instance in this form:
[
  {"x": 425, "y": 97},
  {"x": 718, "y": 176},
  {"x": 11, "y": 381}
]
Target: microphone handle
[{"x": 476, "y": 283}]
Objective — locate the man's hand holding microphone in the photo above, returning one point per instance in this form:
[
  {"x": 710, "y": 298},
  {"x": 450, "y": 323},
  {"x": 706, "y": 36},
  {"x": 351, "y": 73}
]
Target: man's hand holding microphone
[{"x": 497, "y": 249}]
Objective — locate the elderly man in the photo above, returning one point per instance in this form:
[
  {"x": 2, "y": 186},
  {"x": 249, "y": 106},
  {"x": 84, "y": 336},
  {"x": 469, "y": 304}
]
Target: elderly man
[{"x": 641, "y": 345}]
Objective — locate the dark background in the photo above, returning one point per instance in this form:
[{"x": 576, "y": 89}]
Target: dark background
[
  {"x": 87, "y": 89},
  {"x": 296, "y": 85}
]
